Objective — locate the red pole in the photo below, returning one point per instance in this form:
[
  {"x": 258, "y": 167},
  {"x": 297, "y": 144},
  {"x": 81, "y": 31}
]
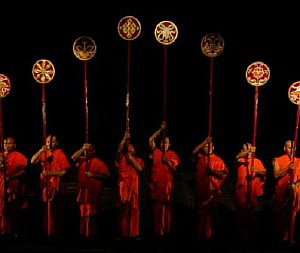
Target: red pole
[
  {"x": 165, "y": 95},
  {"x": 293, "y": 213},
  {"x": 48, "y": 227},
  {"x": 128, "y": 85},
  {"x": 253, "y": 145},
  {"x": 86, "y": 104},
  {"x": 211, "y": 79}
]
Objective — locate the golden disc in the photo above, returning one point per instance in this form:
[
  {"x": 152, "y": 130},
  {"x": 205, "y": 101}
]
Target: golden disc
[
  {"x": 166, "y": 32},
  {"x": 43, "y": 71},
  {"x": 4, "y": 86},
  {"x": 129, "y": 28},
  {"x": 84, "y": 48},
  {"x": 212, "y": 44},
  {"x": 257, "y": 73}
]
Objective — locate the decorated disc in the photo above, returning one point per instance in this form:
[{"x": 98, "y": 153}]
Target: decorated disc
[
  {"x": 43, "y": 71},
  {"x": 4, "y": 86},
  {"x": 294, "y": 93},
  {"x": 166, "y": 32},
  {"x": 257, "y": 73},
  {"x": 129, "y": 28},
  {"x": 84, "y": 48},
  {"x": 212, "y": 44}
]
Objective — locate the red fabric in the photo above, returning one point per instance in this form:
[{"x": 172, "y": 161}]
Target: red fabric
[
  {"x": 52, "y": 161},
  {"x": 128, "y": 201},
  {"x": 241, "y": 192},
  {"x": 57, "y": 161},
  {"x": 208, "y": 188},
  {"x": 90, "y": 188},
  {"x": 14, "y": 163},
  {"x": 161, "y": 186}
]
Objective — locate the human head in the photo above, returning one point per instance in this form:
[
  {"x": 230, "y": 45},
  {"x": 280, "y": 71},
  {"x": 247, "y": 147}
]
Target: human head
[
  {"x": 9, "y": 144},
  {"x": 51, "y": 142},
  {"x": 288, "y": 146},
  {"x": 209, "y": 148},
  {"x": 90, "y": 151},
  {"x": 130, "y": 149},
  {"x": 167, "y": 143}
]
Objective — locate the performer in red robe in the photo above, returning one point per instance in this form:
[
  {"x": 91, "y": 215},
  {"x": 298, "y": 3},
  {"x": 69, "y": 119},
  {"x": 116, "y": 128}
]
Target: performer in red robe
[
  {"x": 91, "y": 173},
  {"x": 54, "y": 165},
  {"x": 13, "y": 165},
  {"x": 246, "y": 177},
  {"x": 283, "y": 203},
  {"x": 211, "y": 172},
  {"x": 162, "y": 184},
  {"x": 129, "y": 168}
]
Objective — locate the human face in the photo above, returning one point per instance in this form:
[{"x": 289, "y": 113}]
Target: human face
[
  {"x": 288, "y": 147},
  {"x": 167, "y": 143},
  {"x": 131, "y": 149},
  {"x": 51, "y": 141},
  {"x": 90, "y": 152},
  {"x": 9, "y": 145}
]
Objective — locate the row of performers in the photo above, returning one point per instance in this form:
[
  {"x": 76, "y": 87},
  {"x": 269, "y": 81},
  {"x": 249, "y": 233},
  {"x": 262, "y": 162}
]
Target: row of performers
[{"x": 210, "y": 174}]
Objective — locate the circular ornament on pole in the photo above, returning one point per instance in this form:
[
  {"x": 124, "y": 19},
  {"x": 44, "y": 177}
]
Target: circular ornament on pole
[
  {"x": 84, "y": 48},
  {"x": 294, "y": 93},
  {"x": 212, "y": 44},
  {"x": 4, "y": 86},
  {"x": 166, "y": 32},
  {"x": 129, "y": 28},
  {"x": 43, "y": 71},
  {"x": 257, "y": 73}
]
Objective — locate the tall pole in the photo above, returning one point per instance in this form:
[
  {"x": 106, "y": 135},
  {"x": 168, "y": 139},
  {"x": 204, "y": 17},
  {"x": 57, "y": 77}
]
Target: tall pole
[
  {"x": 43, "y": 72},
  {"x": 294, "y": 96},
  {"x": 257, "y": 74},
  {"x": 86, "y": 102},
  {"x": 164, "y": 113}
]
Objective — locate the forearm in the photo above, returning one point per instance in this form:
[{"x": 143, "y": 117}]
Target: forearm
[
  {"x": 36, "y": 157},
  {"x": 121, "y": 145},
  {"x": 153, "y": 138},
  {"x": 135, "y": 164},
  {"x": 77, "y": 154}
]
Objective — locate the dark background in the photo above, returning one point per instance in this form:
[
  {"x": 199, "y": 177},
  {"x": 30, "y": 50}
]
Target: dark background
[{"x": 251, "y": 33}]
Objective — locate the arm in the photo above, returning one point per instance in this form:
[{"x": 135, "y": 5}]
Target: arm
[
  {"x": 155, "y": 135},
  {"x": 201, "y": 146},
  {"x": 79, "y": 152},
  {"x": 36, "y": 157},
  {"x": 96, "y": 176},
  {"x": 134, "y": 163},
  {"x": 277, "y": 172}
]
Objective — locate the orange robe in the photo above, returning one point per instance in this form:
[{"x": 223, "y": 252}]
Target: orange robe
[
  {"x": 89, "y": 191},
  {"x": 208, "y": 189},
  {"x": 287, "y": 202},
  {"x": 161, "y": 187},
  {"x": 51, "y": 188},
  {"x": 245, "y": 207},
  {"x": 257, "y": 185},
  {"x": 15, "y": 162},
  {"x": 129, "y": 197}
]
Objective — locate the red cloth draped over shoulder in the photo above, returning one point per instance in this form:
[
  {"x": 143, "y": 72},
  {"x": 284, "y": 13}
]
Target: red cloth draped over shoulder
[
  {"x": 162, "y": 184},
  {"x": 90, "y": 188},
  {"x": 241, "y": 184},
  {"x": 208, "y": 185},
  {"x": 57, "y": 161},
  {"x": 128, "y": 181},
  {"x": 14, "y": 163}
]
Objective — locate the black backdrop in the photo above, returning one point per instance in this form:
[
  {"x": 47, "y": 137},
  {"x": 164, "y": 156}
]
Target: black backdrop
[{"x": 251, "y": 34}]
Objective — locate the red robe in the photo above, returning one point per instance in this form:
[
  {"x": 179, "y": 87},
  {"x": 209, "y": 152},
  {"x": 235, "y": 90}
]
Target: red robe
[
  {"x": 129, "y": 196},
  {"x": 51, "y": 186},
  {"x": 15, "y": 162},
  {"x": 241, "y": 188},
  {"x": 286, "y": 203},
  {"x": 161, "y": 187},
  {"x": 245, "y": 215},
  {"x": 208, "y": 188},
  {"x": 89, "y": 191}
]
